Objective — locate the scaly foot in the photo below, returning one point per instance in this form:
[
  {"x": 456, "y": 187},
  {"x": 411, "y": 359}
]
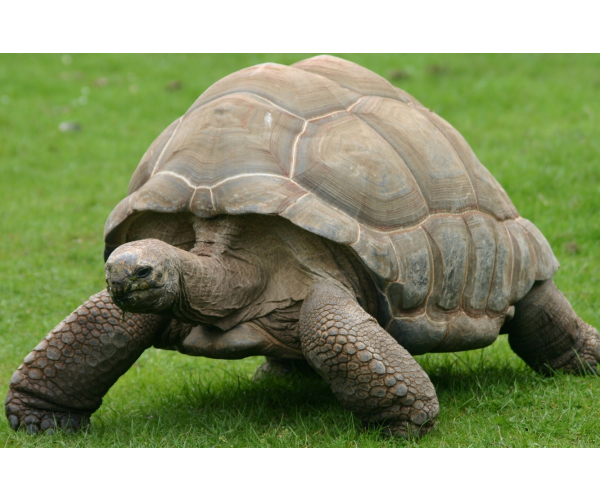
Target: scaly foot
[{"x": 35, "y": 415}]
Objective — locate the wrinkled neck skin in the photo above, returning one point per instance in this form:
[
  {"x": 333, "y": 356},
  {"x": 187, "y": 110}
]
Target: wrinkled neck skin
[{"x": 216, "y": 286}]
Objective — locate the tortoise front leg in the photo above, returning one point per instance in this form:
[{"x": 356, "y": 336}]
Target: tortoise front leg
[
  {"x": 368, "y": 371},
  {"x": 62, "y": 381}
]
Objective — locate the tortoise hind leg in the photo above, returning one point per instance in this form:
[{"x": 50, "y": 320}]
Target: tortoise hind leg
[
  {"x": 368, "y": 371},
  {"x": 281, "y": 368},
  {"x": 62, "y": 381},
  {"x": 548, "y": 335}
]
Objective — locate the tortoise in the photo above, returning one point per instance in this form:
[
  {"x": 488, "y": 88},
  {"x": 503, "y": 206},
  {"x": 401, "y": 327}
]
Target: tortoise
[{"x": 321, "y": 217}]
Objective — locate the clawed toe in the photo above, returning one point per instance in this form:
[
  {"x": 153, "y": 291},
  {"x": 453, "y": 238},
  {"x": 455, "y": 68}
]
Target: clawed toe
[
  {"x": 404, "y": 429},
  {"x": 282, "y": 368},
  {"x": 13, "y": 420},
  {"x": 21, "y": 415}
]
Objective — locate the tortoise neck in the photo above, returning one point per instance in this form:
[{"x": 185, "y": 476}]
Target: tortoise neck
[{"x": 215, "y": 285}]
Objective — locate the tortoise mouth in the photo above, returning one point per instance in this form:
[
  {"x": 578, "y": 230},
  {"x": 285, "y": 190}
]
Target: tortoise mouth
[
  {"x": 128, "y": 296},
  {"x": 135, "y": 300}
]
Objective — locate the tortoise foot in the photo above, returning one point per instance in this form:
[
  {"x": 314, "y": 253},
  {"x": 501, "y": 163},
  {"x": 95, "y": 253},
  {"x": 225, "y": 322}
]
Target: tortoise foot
[
  {"x": 282, "y": 368},
  {"x": 406, "y": 429},
  {"x": 409, "y": 422},
  {"x": 35, "y": 415},
  {"x": 586, "y": 352}
]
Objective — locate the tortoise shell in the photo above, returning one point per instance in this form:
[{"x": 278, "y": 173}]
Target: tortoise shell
[{"x": 341, "y": 152}]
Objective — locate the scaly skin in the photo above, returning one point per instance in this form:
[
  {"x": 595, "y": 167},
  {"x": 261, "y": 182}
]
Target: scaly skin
[
  {"x": 368, "y": 371},
  {"x": 549, "y": 335},
  {"x": 62, "y": 381}
]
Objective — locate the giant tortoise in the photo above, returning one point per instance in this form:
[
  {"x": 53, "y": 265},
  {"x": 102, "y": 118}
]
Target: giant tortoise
[{"x": 315, "y": 214}]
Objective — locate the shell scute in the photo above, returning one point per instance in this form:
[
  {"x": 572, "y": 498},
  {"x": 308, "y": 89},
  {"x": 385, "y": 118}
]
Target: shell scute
[
  {"x": 300, "y": 93},
  {"x": 316, "y": 216},
  {"x": 418, "y": 334},
  {"x": 524, "y": 263},
  {"x": 415, "y": 267},
  {"x": 503, "y": 271},
  {"x": 480, "y": 267},
  {"x": 349, "y": 165},
  {"x": 450, "y": 239},
  {"x": 468, "y": 332},
  {"x": 442, "y": 178},
  {"x": 163, "y": 193},
  {"x": 491, "y": 197},
  {"x": 377, "y": 251},
  {"x": 354, "y": 77},
  {"x": 258, "y": 194},
  {"x": 202, "y": 203},
  {"x": 547, "y": 264},
  {"x": 238, "y": 135}
]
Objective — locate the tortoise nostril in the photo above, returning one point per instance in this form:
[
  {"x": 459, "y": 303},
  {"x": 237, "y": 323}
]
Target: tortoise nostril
[{"x": 118, "y": 287}]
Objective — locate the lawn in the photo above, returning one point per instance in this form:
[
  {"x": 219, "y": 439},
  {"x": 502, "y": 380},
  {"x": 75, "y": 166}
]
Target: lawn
[{"x": 533, "y": 120}]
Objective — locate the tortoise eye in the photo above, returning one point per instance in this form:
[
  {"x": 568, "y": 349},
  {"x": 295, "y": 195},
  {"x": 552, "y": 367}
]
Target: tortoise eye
[{"x": 143, "y": 272}]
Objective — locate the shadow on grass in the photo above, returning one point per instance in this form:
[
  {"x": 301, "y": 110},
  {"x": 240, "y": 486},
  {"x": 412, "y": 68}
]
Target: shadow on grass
[
  {"x": 301, "y": 410},
  {"x": 237, "y": 411}
]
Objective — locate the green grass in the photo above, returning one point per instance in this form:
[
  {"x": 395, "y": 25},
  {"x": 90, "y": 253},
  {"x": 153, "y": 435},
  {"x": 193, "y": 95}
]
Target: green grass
[{"x": 534, "y": 121}]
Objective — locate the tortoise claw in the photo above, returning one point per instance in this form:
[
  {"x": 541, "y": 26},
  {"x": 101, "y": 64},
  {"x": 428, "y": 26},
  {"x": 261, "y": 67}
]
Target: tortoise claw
[
  {"x": 32, "y": 429},
  {"x": 22, "y": 414},
  {"x": 407, "y": 430},
  {"x": 14, "y": 422}
]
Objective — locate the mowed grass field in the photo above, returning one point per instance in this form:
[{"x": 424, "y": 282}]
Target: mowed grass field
[{"x": 533, "y": 120}]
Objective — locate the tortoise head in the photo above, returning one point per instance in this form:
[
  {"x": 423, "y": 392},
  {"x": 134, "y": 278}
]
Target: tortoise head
[{"x": 143, "y": 276}]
